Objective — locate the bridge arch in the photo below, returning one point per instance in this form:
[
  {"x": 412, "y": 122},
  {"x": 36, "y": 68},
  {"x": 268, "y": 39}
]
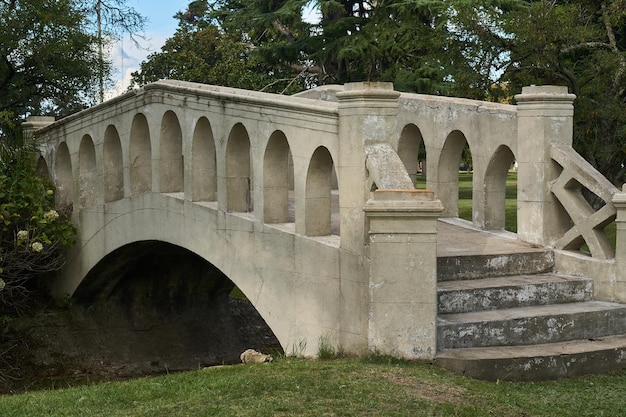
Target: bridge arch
[
  {"x": 409, "y": 145},
  {"x": 319, "y": 181},
  {"x": 276, "y": 174},
  {"x": 448, "y": 172},
  {"x": 495, "y": 187},
  {"x": 181, "y": 301},
  {"x": 42, "y": 167},
  {"x": 140, "y": 156},
  {"x": 171, "y": 154},
  {"x": 203, "y": 163},
  {"x": 113, "y": 165},
  {"x": 64, "y": 177},
  {"x": 87, "y": 173},
  {"x": 238, "y": 171}
]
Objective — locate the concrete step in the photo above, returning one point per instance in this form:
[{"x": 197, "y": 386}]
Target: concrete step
[
  {"x": 531, "y": 325},
  {"x": 509, "y": 292},
  {"x": 538, "y": 362},
  {"x": 464, "y": 267}
]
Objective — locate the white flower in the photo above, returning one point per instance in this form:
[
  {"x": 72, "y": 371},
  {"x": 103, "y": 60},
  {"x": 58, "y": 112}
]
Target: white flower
[
  {"x": 51, "y": 215},
  {"x": 22, "y": 235},
  {"x": 49, "y": 192},
  {"x": 36, "y": 247},
  {"x": 2, "y": 284}
]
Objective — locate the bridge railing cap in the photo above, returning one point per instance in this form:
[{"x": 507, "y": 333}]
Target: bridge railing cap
[{"x": 544, "y": 93}]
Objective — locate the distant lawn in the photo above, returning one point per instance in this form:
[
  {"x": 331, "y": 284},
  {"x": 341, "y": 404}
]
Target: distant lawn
[
  {"x": 465, "y": 202},
  {"x": 376, "y": 386},
  {"x": 465, "y": 198}
]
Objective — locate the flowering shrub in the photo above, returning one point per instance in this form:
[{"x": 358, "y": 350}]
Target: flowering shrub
[{"x": 32, "y": 233}]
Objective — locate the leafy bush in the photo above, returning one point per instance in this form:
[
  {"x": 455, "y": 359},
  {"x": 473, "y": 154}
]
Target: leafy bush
[{"x": 32, "y": 233}]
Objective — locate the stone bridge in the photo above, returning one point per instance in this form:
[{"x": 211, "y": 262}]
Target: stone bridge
[{"x": 308, "y": 203}]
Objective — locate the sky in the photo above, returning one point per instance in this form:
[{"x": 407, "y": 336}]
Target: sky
[{"x": 161, "y": 25}]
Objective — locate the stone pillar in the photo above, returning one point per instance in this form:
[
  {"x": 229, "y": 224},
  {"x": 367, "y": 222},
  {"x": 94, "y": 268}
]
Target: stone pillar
[
  {"x": 403, "y": 273},
  {"x": 367, "y": 115},
  {"x": 544, "y": 116},
  {"x": 33, "y": 123},
  {"x": 619, "y": 201}
]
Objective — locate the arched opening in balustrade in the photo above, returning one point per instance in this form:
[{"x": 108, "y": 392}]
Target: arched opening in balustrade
[
  {"x": 171, "y": 154},
  {"x": 203, "y": 164},
  {"x": 42, "y": 168},
  {"x": 238, "y": 171},
  {"x": 113, "y": 165},
  {"x": 412, "y": 153},
  {"x": 318, "y": 196},
  {"x": 87, "y": 173},
  {"x": 495, "y": 186},
  {"x": 140, "y": 156},
  {"x": 276, "y": 169},
  {"x": 64, "y": 178},
  {"x": 448, "y": 176}
]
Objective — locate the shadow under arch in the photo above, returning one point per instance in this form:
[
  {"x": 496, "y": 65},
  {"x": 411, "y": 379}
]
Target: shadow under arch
[
  {"x": 140, "y": 156},
  {"x": 495, "y": 188},
  {"x": 203, "y": 163},
  {"x": 87, "y": 173},
  {"x": 448, "y": 173},
  {"x": 157, "y": 303},
  {"x": 64, "y": 179},
  {"x": 277, "y": 171},
  {"x": 412, "y": 151},
  {"x": 171, "y": 175},
  {"x": 113, "y": 165},
  {"x": 239, "y": 171},
  {"x": 318, "y": 194}
]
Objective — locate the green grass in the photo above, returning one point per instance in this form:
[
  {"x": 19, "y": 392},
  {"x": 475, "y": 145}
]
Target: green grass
[
  {"x": 465, "y": 198},
  {"x": 465, "y": 203},
  {"x": 376, "y": 386}
]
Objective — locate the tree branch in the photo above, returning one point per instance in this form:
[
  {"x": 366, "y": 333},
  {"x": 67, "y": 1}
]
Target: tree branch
[{"x": 611, "y": 35}]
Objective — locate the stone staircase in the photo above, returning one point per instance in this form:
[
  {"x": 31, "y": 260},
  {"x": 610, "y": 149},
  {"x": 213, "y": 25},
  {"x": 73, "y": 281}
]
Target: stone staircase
[{"x": 503, "y": 314}]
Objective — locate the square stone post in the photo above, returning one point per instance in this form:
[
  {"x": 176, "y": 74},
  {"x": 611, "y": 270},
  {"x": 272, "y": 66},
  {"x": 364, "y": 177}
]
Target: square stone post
[
  {"x": 619, "y": 201},
  {"x": 33, "y": 123},
  {"x": 367, "y": 114},
  {"x": 544, "y": 116},
  {"x": 403, "y": 273}
]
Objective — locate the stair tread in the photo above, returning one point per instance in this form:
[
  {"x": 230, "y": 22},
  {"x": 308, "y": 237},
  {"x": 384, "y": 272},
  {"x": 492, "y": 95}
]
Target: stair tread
[
  {"x": 529, "y": 311},
  {"x": 570, "y": 347},
  {"x": 506, "y": 281}
]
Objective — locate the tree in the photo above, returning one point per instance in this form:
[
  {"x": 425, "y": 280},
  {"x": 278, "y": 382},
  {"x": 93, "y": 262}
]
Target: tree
[
  {"x": 201, "y": 52},
  {"x": 580, "y": 44},
  {"x": 32, "y": 232},
  {"x": 47, "y": 60},
  {"x": 113, "y": 18},
  {"x": 419, "y": 45}
]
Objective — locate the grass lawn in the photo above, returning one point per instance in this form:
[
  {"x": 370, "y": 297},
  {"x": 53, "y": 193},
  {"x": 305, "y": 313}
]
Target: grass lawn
[
  {"x": 465, "y": 202},
  {"x": 377, "y": 386}
]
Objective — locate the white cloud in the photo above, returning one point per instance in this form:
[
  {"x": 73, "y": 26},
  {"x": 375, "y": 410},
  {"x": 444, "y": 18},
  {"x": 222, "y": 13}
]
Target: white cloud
[{"x": 127, "y": 57}]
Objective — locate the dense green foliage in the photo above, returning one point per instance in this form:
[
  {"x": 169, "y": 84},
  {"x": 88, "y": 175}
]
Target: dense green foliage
[
  {"x": 47, "y": 59},
  {"x": 32, "y": 232},
  {"x": 580, "y": 44},
  {"x": 53, "y": 58},
  {"x": 376, "y": 386}
]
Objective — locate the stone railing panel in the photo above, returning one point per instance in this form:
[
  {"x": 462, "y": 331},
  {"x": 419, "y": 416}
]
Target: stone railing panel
[{"x": 588, "y": 223}]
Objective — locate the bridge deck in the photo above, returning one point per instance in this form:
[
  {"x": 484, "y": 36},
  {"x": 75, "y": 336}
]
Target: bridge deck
[{"x": 457, "y": 237}]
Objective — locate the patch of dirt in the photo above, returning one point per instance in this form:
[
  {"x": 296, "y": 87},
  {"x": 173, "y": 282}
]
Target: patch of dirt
[{"x": 427, "y": 390}]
